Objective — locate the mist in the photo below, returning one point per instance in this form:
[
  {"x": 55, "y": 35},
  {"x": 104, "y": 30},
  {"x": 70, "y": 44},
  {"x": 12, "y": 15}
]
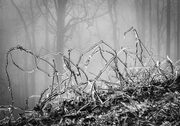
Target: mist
[{"x": 48, "y": 27}]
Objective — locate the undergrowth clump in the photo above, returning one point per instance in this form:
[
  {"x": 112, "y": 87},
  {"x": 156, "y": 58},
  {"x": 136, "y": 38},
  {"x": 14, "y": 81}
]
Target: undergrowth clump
[{"x": 140, "y": 95}]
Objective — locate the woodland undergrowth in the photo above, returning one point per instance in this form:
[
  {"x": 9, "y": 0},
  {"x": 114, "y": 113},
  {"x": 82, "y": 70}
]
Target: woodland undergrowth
[{"x": 146, "y": 93}]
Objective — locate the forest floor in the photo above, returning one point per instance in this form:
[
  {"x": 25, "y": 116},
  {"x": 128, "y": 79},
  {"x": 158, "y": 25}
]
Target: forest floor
[{"x": 142, "y": 95}]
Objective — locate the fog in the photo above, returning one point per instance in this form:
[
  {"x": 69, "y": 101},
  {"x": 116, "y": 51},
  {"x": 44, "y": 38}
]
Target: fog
[{"x": 49, "y": 26}]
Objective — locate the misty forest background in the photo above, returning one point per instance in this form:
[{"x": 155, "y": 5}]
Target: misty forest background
[{"x": 46, "y": 26}]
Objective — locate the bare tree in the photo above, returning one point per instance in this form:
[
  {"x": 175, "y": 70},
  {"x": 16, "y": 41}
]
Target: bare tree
[
  {"x": 65, "y": 19},
  {"x": 168, "y": 33},
  {"x": 114, "y": 21},
  {"x": 140, "y": 7},
  {"x": 24, "y": 87},
  {"x": 150, "y": 23},
  {"x": 143, "y": 20},
  {"x": 178, "y": 30},
  {"x": 158, "y": 29},
  {"x": 60, "y": 6},
  {"x": 47, "y": 44},
  {"x": 33, "y": 46}
]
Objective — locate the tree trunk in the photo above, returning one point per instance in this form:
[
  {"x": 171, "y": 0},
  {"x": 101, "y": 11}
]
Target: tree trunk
[
  {"x": 137, "y": 8},
  {"x": 47, "y": 45},
  {"x": 114, "y": 20},
  {"x": 61, "y": 9},
  {"x": 143, "y": 21},
  {"x": 24, "y": 86},
  {"x": 150, "y": 24},
  {"x": 158, "y": 30},
  {"x": 33, "y": 48},
  {"x": 32, "y": 81},
  {"x": 168, "y": 28},
  {"x": 178, "y": 30},
  {"x": 140, "y": 18}
]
